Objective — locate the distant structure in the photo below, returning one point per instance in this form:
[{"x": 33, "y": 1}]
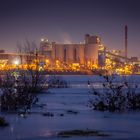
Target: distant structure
[
  {"x": 126, "y": 40},
  {"x": 10, "y": 58},
  {"x": 83, "y": 53},
  {"x": 2, "y": 51}
]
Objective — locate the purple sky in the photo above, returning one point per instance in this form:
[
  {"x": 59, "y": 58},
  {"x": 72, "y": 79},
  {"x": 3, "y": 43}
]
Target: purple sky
[{"x": 70, "y": 20}]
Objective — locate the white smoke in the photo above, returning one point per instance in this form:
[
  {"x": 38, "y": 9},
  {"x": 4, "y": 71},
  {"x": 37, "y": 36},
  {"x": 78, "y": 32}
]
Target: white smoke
[{"x": 65, "y": 37}]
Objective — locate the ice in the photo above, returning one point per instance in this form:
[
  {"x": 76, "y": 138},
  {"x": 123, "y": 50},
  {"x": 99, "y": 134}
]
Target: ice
[{"x": 35, "y": 126}]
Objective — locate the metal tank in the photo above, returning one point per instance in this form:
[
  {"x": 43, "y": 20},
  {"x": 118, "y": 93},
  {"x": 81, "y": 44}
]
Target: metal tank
[
  {"x": 79, "y": 53},
  {"x": 70, "y": 53},
  {"x": 91, "y": 49}
]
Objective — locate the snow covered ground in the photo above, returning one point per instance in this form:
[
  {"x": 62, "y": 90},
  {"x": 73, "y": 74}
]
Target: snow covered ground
[{"x": 35, "y": 126}]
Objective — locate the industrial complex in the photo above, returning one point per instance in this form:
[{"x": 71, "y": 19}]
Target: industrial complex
[
  {"x": 91, "y": 55},
  {"x": 82, "y": 53}
]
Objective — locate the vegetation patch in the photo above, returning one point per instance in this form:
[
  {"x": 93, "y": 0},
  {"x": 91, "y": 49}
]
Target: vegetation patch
[
  {"x": 48, "y": 114},
  {"x": 3, "y": 122},
  {"x": 61, "y": 114},
  {"x": 72, "y": 112},
  {"x": 82, "y": 133},
  {"x": 115, "y": 96}
]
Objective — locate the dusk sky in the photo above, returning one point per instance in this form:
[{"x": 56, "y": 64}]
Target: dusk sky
[{"x": 69, "y": 20}]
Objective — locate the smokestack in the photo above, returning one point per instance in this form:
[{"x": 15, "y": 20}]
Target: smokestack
[{"x": 126, "y": 39}]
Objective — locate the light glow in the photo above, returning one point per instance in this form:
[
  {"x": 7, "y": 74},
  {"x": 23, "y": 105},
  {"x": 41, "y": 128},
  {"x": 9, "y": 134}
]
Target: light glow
[{"x": 16, "y": 62}]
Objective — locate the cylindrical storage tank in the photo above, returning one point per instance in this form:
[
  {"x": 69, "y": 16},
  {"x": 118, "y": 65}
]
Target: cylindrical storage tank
[
  {"x": 91, "y": 53},
  {"x": 52, "y": 55},
  {"x": 80, "y": 53},
  {"x": 59, "y": 53},
  {"x": 53, "y": 52},
  {"x": 87, "y": 36},
  {"x": 70, "y": 53}
]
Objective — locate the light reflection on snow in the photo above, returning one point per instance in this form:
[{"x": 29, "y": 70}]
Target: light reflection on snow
[{"x": 46, "y": 133}]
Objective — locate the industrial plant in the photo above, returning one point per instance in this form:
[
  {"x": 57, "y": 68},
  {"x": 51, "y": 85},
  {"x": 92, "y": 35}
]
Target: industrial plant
[
  {"x": 88, "y": 57},
  {"x": 83, "y": 53}
]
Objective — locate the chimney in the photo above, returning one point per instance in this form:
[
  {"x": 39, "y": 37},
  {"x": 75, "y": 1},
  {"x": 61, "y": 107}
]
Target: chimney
[{"x": 126, "y": 39}]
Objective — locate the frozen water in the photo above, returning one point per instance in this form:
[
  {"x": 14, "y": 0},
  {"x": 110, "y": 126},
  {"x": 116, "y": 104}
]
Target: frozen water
[{"x": 35, "y": 126}]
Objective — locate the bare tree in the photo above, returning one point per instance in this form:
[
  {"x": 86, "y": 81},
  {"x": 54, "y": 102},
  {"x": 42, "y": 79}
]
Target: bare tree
[
  {"x": 30, "y": 53},
  {"x": 20, "y": 88}
]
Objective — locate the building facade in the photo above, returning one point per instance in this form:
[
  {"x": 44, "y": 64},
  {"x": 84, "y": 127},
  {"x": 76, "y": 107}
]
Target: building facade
[{"x": 83, "y": 53}]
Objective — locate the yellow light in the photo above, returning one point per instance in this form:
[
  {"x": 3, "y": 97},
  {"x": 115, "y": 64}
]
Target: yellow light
[
  {"x": 16, "y": 62},
  {"x": 42, "y": 39},
  {"x": 89, "y": 62},
  {"x": 57, "y": 61},
  {"x": 75, "y": 64},
  {"x": 47, "y": 61}
]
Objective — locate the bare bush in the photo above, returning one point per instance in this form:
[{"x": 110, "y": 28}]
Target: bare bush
[
  {"x": 3, "y": 122},
  {"x": 16, "y": 93},
  {"x": 20, "y": 86},
  {"x": 115, "y": 96}
]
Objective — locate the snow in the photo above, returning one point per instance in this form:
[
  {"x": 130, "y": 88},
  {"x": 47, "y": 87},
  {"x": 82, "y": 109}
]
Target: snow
[{"x": 35, "y": 126}]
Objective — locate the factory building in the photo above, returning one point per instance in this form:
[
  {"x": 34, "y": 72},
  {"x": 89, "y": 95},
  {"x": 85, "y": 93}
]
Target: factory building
[
  {"x": 83, "y": 53},
  {"x": 68, "y": 53}
]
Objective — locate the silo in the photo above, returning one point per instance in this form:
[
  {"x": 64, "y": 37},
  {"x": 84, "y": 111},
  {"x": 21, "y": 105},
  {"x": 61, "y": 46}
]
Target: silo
[
  {"x": 79, "y": 53},
  {"x": 70, "y": 53},
  {"x": 91, "y": 49},
  {"x": 59, "y": 53},
  {"x": 92, "y": 53}
]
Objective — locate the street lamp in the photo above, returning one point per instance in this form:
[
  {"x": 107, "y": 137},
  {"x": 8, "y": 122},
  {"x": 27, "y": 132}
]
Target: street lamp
[{"x": 16, "y": 62}]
